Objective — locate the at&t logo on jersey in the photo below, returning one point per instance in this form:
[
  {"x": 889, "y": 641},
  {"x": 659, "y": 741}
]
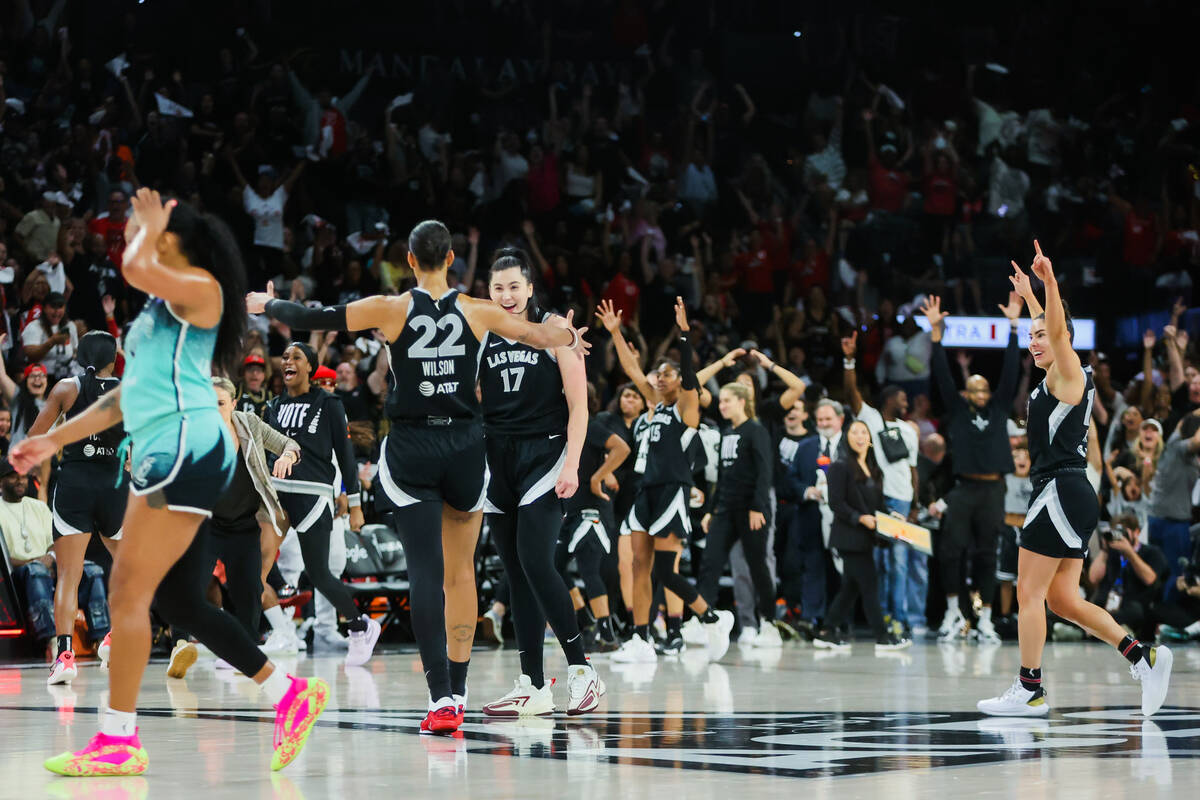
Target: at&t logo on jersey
[{"x": 428, "y": 389}]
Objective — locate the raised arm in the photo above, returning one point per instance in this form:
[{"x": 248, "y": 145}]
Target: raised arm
[
  {"x": 611, "y": 320},
  {"x": 1176, "y": 376},
  {"x": 1023, "y": 287},
  {"x": 939, "y": 365},
  {"x": 377, "y": 380},
  {"x": 1070, "y": 381},
  {"x": 727, "y": 361},
  {"x": 689, "y": 389},
  {"x": 61, "y": 398},
  {"x": 555, "y": 332},
  {"x": 795, "y": 385},
  {"x": 387, "y": 313},
  {"x": 99, "y": 416},
  {"x": 849, "y": 376},
  {"x": 1147, "y": 399},
  {"x": 1011, "y": 372}
]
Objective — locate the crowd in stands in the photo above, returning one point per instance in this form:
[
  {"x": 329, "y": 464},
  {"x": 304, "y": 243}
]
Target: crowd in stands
[{"x": 785, "y": 229}]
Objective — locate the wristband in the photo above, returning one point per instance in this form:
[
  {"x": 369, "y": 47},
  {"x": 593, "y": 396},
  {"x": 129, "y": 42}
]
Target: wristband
[
  {"x": 848, "y": 363},
  {"x": 574, "y": 345},
  {"x": 354, "y": 500}
]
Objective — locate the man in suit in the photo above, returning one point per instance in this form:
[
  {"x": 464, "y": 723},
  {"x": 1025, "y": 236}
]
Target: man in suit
[{"x": 802, "y": 511}]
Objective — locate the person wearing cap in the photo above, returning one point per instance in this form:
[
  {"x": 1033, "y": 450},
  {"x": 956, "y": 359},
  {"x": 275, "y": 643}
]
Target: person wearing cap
[
  {"x": 24, "y": 400},
  {"x": 980, "y": 452},
  {"x": 51, "y": 339},
  {"x": 37, "y": 232},
  {"x": 253, "y": 392}
]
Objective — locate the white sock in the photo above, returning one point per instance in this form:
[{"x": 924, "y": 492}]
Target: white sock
[
  {"x": 276, "y": 686},
  {"x": 952, "y": 609},
  {"x": 985, "y": 613},
  {"x": 118, "y": 723},
  {"x": 278, "y": 620},
  {"x": 1194, "y": 628}
]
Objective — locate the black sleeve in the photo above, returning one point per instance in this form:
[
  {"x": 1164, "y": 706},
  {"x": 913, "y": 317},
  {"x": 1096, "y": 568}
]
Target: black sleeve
[
  {"x": 760, "y": 452},
  {"x": 294, "y": 315},
  {"x": 343, "y": 448},
  {"x": 839, "y": 487},
  {"x": 687, "y": 365},
  {"x": 597, "y": 435},
  {"x": 941, "y": 375},
  {"x": 1007, "y": 388}
]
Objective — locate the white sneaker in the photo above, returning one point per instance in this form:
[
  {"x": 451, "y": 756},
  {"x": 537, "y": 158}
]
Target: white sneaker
[
  {"x": 222, "y": 664},
  {"x": 182, "y": 657},
  {"x": 768, "y": 636},
  {"x": 461, "y": 699},
  {"x": 525, "y": 700},
  {"x": 954, "y": 626},
  {"x": 693, "y": 632},
  {"x": 985, "y": 632},
  {"x": 281, "y": 642},
  {"x": 64, "y": 669},
  {"x": 1017, "y": 701},
  {"x": 585, "y": 689},
  {"x": 718, "y": 635},
  {"x": 1154, "y": 678},
  {"x": 746, "y": 637},
  {"x": 636, "y": 651},
  {"x": 330, "y": 640},
  {"x": 362, "y": 643},
  {"x": 104, "y": 649},
  {"x": 493, "y": 630}
]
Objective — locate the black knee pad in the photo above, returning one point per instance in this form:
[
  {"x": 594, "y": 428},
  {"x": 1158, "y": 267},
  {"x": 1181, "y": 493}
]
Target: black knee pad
[{"x": 664, "y": 565}]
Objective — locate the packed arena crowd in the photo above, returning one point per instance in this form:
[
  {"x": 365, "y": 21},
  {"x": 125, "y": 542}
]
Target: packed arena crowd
[{"x": 793, "y": 268}]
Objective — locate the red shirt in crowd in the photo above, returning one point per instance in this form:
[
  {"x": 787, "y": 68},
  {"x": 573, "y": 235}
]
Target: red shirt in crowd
[
  {"x": 623, "y": 294},
  {"x": 543, "y": 185},
  {"x": 754, "y": 271},
  {"x": 1140, "y": 234},
  {"x": 334, "y": 120},
  {"x": 941, "y": 193},
  {"x": 807, "y": 273},
  {"x": 889, "y": 187},
  {"x": 113, "y": 232},
  {"x": 777, "y": 241}
]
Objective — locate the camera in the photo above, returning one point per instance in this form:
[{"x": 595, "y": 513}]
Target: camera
[{"x": 1112, "y": 533}]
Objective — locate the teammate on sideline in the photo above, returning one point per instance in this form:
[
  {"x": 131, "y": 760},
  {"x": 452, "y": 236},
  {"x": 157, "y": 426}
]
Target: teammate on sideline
[
  {"x": 315, "y": 420},
  {"x": 432, "y": 472},
  {"x": 659, "y": 519},
  {"x": 85, "y": 498},
  {"x": 531, "y": 399},
  {"x": 182, "y": 460},
  {"x": 1063, "y": 514}
]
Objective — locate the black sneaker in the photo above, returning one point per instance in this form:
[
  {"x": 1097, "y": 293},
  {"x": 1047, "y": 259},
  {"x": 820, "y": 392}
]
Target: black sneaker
[
  {"x": 889, "y": 642},
  {"x": 671, "y": 646},
  {"x": 829, "y": 640}
]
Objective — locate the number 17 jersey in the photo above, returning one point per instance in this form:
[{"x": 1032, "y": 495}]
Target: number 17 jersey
[
  {"x": 522, "y": 389},
  {"x": 434, "y": 363}
]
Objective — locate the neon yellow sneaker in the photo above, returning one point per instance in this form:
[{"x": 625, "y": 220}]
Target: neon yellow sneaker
[
  {"x": 295, "y": 716},
  {"x": 104, "y": 755}
]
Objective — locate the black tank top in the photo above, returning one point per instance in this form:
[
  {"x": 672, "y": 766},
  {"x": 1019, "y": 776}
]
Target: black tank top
[
  {"x": 663, "y": 451},
  {"x": 100, "y": 448},
  {"x": 1058, "y": 432},
  {"x": 522, "y": 389},
  {"x": 434, "y": 363}
]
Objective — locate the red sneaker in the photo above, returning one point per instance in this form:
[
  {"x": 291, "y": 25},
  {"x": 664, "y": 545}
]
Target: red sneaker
[{"x": 444, "y": 717}]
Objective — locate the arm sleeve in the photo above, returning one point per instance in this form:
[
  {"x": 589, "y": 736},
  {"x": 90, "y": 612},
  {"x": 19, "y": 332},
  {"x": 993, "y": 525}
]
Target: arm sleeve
[
  {"x": 940, "y": 367},
  {"x": 1006, "y": 390},
  {"x": 839, "y": 483},
  {"x": 687, "y": 365},
  {"x": 343, "y": 449},
  {"x": 294, "y": 315},
  {"x": 761, "y": 453}
]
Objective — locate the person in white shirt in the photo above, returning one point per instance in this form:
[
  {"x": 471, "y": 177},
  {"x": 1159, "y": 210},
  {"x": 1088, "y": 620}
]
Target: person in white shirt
[
  {"x": 56, "y": 274},
  {"x": 905, "y": 360},
  {"x": 895, "y": 449},
  {"x": 265, "y": 202},
  {"x": 51, "y": 339}
]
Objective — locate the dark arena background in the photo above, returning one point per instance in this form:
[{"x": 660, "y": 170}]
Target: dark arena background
[{"x": 829, "y": 209}]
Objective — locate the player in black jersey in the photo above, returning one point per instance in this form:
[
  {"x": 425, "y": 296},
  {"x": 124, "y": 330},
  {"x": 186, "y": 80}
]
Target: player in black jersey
[
  {"x": 253, "y": 392},
  {"x": 535, "y": 420},
  {"x": 1062, "y": 514},
  {"x": 623, "y": 417},
  {"x": 315, "y": 419},
  {"x": 85, "y": 498},
  {"x": 659, "y": 521},
  {"x": 431, "y": 475},
  {"x": 589, "y": 530}
]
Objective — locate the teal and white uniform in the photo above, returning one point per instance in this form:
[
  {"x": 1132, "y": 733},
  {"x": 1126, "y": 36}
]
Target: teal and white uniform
[{"x": 181, "y": 446}]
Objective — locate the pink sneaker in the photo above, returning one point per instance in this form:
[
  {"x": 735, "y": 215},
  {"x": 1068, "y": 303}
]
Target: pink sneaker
[
  {"x": 295, "y": 716},
  {"x": 64, "y": 669},
  {"x": 104, "y": 755}
]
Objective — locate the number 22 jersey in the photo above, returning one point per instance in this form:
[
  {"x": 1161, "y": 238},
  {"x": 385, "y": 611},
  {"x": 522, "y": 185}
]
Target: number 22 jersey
[{"x": 434, "y": 363}]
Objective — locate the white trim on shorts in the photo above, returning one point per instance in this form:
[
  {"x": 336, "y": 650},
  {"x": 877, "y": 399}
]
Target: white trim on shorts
[
  {"x": 187, "y": 510},
  {"x": 585, "y": 527},
  {"x": 398, "y": 496},
  {"x": 314, "y": 514},
  {"x": 546, "y": 482},
  {"x": 1049, "y": 501}
]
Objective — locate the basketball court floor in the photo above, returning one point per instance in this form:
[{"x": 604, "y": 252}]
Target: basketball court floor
[{"x": 757, "y": 724}]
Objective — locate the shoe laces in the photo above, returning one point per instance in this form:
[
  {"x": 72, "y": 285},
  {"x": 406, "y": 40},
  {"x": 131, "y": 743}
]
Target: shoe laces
[
  {"x": 1140, "y": 670},
  {"x": 1015, "y": 691}
]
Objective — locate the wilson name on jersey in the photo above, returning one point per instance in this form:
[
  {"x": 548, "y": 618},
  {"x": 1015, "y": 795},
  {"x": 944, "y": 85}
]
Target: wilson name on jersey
[
  {"x": 522, "y": 389},
  {"x": 663, "y": 454},
  {"x": 434, "y": 362},
  {"x": 1058, "y": 432}
]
